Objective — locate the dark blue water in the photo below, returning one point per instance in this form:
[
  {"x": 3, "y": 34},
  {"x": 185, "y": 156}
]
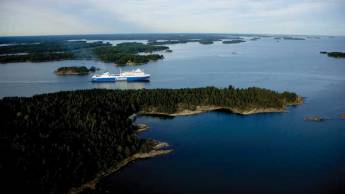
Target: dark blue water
[
  {"x": 226, "y": 153},
  {"x": 221, "y": 152}
]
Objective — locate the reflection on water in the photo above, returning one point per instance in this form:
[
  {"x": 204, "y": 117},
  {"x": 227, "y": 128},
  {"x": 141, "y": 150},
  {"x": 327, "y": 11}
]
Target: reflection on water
[{"x": 122, "y": 85}]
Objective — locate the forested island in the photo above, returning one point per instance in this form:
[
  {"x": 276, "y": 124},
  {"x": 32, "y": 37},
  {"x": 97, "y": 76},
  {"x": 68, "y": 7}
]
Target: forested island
[
  {"x": 255, "y": 38},
  {"x": 36, "y": 57},
  {"x": 233, "y": 41},
  {"x": 121, "y": 54},
  {"x": 54, "y": 142},
  {"x": 128, "y": 53},
  {"x": 289, "y": 38},
  {"x": 62, "y": 48},
  {"x": 74, "y": 70},
  {"x": 182, "y": 41},
  {"x": 48, "y": 51},
  {"x": 334, "y": 54}
]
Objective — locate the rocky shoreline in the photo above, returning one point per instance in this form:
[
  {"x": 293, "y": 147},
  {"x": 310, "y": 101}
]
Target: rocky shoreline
[
  {"x": 159, "y": 149},
  {"x": 140, "y": 127},
  {"x": 202, "y": 109}
]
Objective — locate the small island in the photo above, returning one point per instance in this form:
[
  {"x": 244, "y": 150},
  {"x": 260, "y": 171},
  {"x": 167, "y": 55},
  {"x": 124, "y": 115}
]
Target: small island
[
  {"x": 255, "y": 38},
  {"x": 74, "y": 70},
  {"x": 288, "y": 38},
  {"x": 315, "y": 118},
  {"x": 292, "y": 38},
  {"x": 334, "y": 54},
  {"x": 206, "y": 42},
  {"x": 233, "y": 41},
  {"x": 183, "y": 41}
]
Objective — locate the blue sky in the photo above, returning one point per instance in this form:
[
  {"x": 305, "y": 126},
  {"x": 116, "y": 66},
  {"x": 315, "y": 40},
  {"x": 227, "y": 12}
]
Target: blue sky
[{"x": 45, "y": 17}]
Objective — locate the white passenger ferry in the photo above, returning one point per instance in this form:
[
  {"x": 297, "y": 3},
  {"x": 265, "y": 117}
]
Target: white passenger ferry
[{"x": 134, "y": 75}]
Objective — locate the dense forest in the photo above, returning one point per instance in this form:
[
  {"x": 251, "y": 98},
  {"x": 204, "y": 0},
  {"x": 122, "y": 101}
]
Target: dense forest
[
  {"x": 52, "y": 142},
  {"x": 182, "y": 41},
  {"x": 132, "y": 53},
  {"x": 121, "y": 54},
  {"x": 36, "y": 57},
  {"x": 47, "y": 51},
  {"x": 75, "y": 70},
  {"x": 129, "y": 53},
  {"x": 55, "y": 141},
  {"x": 288, "y": 38},
  {"x": 131, "y": 36},
  {"x": 233, "y": 41},
  {"x": 61, "y": 46}
]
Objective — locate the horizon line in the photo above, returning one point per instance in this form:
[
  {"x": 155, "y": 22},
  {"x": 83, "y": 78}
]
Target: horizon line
[{"x": 143, "y": 33}]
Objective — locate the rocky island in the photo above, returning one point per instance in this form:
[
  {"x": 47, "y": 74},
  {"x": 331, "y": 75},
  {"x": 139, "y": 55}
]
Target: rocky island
[{"x": 315, "y": 118}]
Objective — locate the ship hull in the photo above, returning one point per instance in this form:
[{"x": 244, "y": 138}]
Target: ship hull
[
  {"x": 112, "y": 79},
  {"x": 141, "y": 78}
]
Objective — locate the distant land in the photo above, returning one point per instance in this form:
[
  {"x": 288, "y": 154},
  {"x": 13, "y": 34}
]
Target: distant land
[
  {"x": 334, "y": 54},
  {"x": 288, "y": 38},
  {"x": 121, "y": 54},
  {"x": 233, "y": 41},
  {"x": 69, "y": 47},
  {"x": 143, "y": 36}
]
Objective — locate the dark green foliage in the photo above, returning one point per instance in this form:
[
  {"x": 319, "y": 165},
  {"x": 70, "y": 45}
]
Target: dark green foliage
[
  {"x": 292, "y": 38},
  {"x": 145, "y": 36},
  {"x": 135, "y": 47},
  {"x": 36, "y": 57},
  {"x": 233, "y": 41},
  {"x": 81, "y": 70},
  {"x": 47, "y": 51},
  {"x": 182, "y": 41},
  {"x": 255, "y": 38},
  {"x": 93, "y": 69},
  {"x": 55, "y": 141},
  {"x": 52, "y": 142},
  {"x": 288, "y": 38},
  {"x": 165, "y": 42},
  {"x": 206, "y": 41},
  {"x": 124, "y": 53},
  {"x": 336, "y": 54},
  {"x": 60, "y": 46}
]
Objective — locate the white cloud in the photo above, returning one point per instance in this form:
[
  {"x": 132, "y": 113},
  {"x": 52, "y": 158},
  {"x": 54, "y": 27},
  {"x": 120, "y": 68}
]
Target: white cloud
[{"x": 232, "y": 16}]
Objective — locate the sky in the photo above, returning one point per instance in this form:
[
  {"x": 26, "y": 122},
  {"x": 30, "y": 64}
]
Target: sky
[{"x": 57, "y": 17}]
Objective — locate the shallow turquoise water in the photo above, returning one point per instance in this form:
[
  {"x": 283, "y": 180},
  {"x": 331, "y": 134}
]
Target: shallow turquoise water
[{"x": 220, "y": 152}]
